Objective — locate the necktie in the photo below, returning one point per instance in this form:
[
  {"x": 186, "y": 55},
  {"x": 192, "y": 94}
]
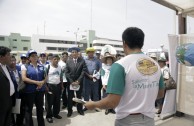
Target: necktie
[{"x": 75, "y": 61}]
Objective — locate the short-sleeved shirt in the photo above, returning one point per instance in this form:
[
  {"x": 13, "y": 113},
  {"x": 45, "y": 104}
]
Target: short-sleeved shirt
[
  {"x": 92, "y": 65},
  {"x": 34, "y": 73},
  {"x": 165, "y": 72},
  {"x": 54, "y": 74},
  {"x": 105, "y": 71},
  {"x": 137, "y": 78},
  {"x": 63, "y": 66}
]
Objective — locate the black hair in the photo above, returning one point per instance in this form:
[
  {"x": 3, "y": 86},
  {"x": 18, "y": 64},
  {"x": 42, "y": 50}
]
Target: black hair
[
  {"x": 12, "y": 56},
  {"x": 4, "y": 50},
  {"x": 50, "y": 54},
  {"x": 55, "y": 56},
  {"x": 118, "y": 55},
  {"x": 65, "y": 53},
  {"x": 133, "y": 37}
]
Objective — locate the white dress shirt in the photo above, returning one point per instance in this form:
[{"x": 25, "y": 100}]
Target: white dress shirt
[
  {"x": 75, "y": 60},
  {"x": 12, "y": 89}
]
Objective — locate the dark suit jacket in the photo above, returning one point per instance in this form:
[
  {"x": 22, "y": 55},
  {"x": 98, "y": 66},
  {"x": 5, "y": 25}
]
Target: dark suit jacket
[
  {"x": 5, "y": 102},
  {"x": 75, "y": 72}
]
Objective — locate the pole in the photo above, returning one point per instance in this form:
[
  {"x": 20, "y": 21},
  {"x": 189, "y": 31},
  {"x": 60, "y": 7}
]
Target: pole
[
  {"x": 44, "y": 27},
  {"x": 91, "y": 17}
]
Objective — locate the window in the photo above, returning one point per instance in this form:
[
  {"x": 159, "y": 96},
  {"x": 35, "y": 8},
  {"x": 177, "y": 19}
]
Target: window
[
  {"x": 2, "y": 38},
  {"x": 25, "y": 48},
  {"x": 25, "y": 40},
  {"x": 14, "y": 39},
  {"x": 55, "y": 41},
  {"x": 14, "y": 47},
  {"x": 61, "y": 49},
  {"x": 51, "y": 48}
]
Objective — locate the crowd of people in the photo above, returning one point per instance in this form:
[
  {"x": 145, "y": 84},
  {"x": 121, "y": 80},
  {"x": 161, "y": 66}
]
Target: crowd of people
[
  {"x": 52, "y": 78},
  {"x": 125, "y": 83}
]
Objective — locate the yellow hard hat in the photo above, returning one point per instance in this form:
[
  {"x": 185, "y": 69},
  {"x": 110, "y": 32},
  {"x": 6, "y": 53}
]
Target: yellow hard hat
[{"x": 90, "y": 49}]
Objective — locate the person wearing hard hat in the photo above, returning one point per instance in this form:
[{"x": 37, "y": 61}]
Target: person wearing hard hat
[
  {"x": 43, "y": 59},
  {"x": 23, "y": 59},
  {"x": 97, "y": 54},
  {"x": 153, "y": 56},
  {"x": 91, "y": 81},
  {"x": 74, "y": 71},
  {"x": 105, "y": 71},
  {"x": 35, "y": 78}
]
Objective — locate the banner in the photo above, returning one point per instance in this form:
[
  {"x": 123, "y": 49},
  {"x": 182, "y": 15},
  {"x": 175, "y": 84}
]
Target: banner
[{"x": 169, "y": 106}]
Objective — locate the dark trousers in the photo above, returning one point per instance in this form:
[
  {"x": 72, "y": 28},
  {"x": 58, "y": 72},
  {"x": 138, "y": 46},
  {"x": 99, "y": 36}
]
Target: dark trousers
[
  {"x": 91, "y": 88},
  {"x": 19, "y": 121},
  {"x": 70, "y": 97},
  {"x": 64, "y": 94},
  {"x": 30, "y": 99},
  {"x": 20, "y": 117},
  {"x": 5, "y": 116},
  {"x": 53, "y": 97},
  {"x": 99, "y": 88}
]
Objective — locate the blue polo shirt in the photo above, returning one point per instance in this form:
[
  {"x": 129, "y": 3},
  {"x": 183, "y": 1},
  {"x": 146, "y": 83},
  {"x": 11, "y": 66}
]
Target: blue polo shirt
[
  {"x": 37, "y": 75},
  {"x": 92, "y": 65}
]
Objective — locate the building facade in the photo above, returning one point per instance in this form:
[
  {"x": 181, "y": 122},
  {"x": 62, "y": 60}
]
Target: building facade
[
  {"x": 16, "y": 42},
  {"x": 56, "y": 44},
  {"x": 99, "y": 43}
]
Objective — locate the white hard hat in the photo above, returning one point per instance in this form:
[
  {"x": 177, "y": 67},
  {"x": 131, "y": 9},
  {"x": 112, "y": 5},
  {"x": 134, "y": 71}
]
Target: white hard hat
[{"x": 153, "y": 55}]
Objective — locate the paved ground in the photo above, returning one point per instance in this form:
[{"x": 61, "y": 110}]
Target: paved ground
[{"x": 93, "y": 118}]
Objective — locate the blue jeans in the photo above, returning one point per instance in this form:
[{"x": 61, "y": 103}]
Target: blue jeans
[
  {"x": 91, "y": 88},
  {"x": 135, "y": 120}
]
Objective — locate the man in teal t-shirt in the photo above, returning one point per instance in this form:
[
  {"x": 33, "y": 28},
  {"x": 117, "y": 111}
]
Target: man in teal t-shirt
[{"x": 134, "y": 83}]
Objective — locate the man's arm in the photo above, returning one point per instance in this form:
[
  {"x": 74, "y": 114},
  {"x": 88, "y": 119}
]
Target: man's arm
[
  {"x": 84, "y": 69},
  {"x": 160, "y": 93},
  {"x": 161, "y": 88},
  {"x": 115, "y": 89},
  {"x": 109, "y": 102}
]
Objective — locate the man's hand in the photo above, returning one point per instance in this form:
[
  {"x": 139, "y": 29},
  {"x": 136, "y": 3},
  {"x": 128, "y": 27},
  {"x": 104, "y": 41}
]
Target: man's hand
[
  {"x": 77, "y": 82},
  {"x": 73, "y": 83},
  {"x": 90, "y": 76},
  {"x": 104, "y": 87},
  {"x": 90, "y": 105}
]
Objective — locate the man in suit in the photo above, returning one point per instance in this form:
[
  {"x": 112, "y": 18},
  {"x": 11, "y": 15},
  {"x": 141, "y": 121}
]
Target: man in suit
[
  {"x": 7, "y": 89},
  {"x": 75, "y": 69}
]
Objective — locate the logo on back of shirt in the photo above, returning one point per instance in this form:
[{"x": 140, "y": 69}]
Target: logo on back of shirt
[{"x": 146, "y": 66}]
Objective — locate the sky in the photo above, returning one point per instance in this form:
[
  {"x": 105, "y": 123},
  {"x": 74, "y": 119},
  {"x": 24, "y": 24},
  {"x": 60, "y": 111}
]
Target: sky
[{"x": 109, "y": 18}]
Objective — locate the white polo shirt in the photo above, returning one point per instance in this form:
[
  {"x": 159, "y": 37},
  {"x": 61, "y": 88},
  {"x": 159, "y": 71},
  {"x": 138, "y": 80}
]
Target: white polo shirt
[{"x": 137, "y": 78}]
